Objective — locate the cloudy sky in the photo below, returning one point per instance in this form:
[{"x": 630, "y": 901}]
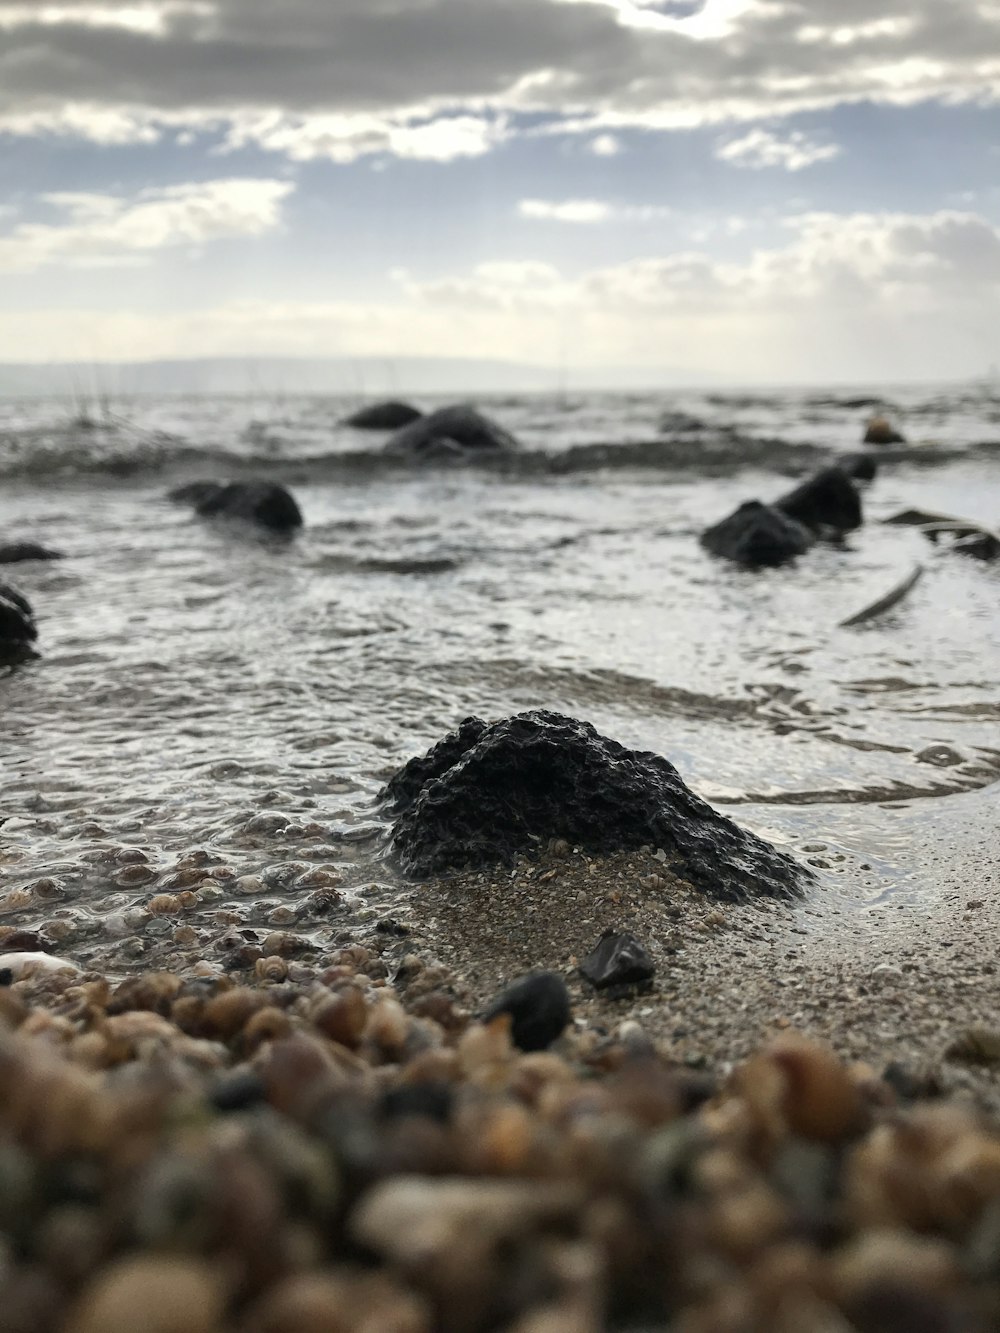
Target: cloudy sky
[{"x": 777, "y": 190}]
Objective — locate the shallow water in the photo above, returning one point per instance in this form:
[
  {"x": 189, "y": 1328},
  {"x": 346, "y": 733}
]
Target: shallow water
[{"x": 199, "y": 689}]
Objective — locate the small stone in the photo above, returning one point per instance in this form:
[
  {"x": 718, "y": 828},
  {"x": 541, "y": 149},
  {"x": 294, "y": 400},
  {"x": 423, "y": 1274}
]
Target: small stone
[
  {"x": 539, "y": 1009},
  {"x": 156, "y": 1294},
  {"x": 941, "y": 756},
  {"x": 618, "y": 960}
]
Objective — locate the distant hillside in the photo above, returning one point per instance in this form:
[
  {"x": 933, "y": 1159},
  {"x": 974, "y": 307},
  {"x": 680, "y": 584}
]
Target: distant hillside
[{"x": 353, "y": 377}]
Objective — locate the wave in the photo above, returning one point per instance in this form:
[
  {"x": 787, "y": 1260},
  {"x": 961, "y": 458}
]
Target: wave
[{"x": 54, "y": 455}]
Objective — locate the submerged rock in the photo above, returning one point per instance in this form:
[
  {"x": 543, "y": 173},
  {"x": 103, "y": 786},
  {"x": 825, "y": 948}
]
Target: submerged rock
[
  {"x": 618, "y": 960},
  {"x": 261, "y": 502},
  {"x": 451, "y": 431},
  {"x": 859, "y": 467},
  {"x": 757, "y": 535},
  {"x": 538, "y": 775},
  {"x": 829, "y": 499},
  {"x": 538, "y": 1005},
  {"x": 390, "y": 415},
  {"x": 17, "y": 620},
  {"x": 881, "y": 431},
  {"x": 14, "y": 552}
]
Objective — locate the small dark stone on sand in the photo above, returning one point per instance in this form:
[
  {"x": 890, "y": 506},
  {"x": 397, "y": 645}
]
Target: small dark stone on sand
[
  {"x": 757, "y": 535},
  {"x": 390, "y": 415},
  {"x": 433, "y": 1099},
  {"x": 618, "y": 960},
  {"x": 388, "y": 925},
  {"x": 516, "y": 783},
  {"x": 538, "y": 1005}
]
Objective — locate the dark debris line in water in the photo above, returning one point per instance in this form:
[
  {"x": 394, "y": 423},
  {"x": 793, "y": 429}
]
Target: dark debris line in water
[{"x": 490, "y": 791}]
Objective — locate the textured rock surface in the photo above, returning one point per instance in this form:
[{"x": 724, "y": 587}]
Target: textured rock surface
[
  {"x": 17, "y": 620},
  {"x": 13, "y": 552},
  {"x": 829, "y": 499},
  {"x": 390, "y": 415},
  {"x": 542, "y": 775},
  {"x": 538, "y": 1005},
  {"x": 261, "y": 502},
  {"x": 451, "y": 431},
  {"x": 756, "y": 534}
]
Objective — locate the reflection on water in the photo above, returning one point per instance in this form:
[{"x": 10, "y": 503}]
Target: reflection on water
[{"x": 194, "y": 680}]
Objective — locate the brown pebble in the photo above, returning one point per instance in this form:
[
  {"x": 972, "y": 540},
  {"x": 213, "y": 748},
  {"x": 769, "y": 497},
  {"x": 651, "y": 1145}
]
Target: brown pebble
[{"x": 151, "y": 1294}]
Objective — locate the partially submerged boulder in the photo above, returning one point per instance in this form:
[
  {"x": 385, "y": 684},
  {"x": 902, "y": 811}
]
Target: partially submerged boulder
[
  {"x": 859, "y": 467},
  {"x": 390, "y": 415},
  {"x": 17, "y": 620},
  {"x": 263, "y": 503},
  {"x": 757, "y": 535},
  {"x": 451, "y": 432},
  {"x": 827, "y": 500},
  {"x": 12, "y": 553},
  {"x": 540, "y": 775},
  {"x": 881, "y": 431}
]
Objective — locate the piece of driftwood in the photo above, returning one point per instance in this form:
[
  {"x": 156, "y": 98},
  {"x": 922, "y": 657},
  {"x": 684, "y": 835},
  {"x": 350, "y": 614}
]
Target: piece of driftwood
[
  {"x": 969, "y": 538},
  {"x": 886, "y": 603}
]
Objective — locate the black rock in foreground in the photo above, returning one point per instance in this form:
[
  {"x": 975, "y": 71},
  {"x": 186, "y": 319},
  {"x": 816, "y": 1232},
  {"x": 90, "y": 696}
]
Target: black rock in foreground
[
  {"x": 538, "y": 1005},
  {"x": 260, "y": 502},
  {"x": 17, "y": 620},
  {"x": 539, "y": 775},
  {"x": 390, "y": 415},
  {"x": 451, "y": 431},
  {"x": 757, "y": 534}
]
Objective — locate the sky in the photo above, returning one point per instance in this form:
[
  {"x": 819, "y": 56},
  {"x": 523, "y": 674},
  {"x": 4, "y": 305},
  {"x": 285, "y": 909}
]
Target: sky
[{"x": 748, "y": 190}]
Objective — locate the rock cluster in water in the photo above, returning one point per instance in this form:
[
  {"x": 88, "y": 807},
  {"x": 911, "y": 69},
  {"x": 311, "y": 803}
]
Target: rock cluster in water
[
  {"x": 389, "y": 415},
  {"x": 263, "y": 503},
  {"x": 758, "y": 535},
  {"x": 17, "y": 621},
  {"x": 451, "y": 432},
  {"x": 493, "y": 790}
]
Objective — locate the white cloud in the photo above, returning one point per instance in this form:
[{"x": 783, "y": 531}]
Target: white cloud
[
  {"x": 439, "y": 79},
  {"x": 847, "y": 296},
  {"x": 605, "y": 145},
  {"x": 589, "y": 211},
  {"x": 761, "y": 149},
  {"x": 109, "y": 230},
  {"x": 566, "y": 210}
]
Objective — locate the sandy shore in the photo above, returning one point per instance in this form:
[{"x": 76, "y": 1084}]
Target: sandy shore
[{"x": 900, "y": 984}]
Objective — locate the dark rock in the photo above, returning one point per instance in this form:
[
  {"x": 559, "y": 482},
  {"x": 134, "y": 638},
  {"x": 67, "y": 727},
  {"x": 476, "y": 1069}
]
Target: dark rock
[
  {"x": 433, "y": 1099},
  {"x": 238, "y": 1091},
  {"x": 260, "y": 502},
  {"x": 880, "y": 431},
  {"x": 538, "y": 1005},
  {"x": 17, "y": 620},
  {"x": 389, "y": 415},
  {"x": 829, "y": 499},
  {"x": 859, "y": 467},
  {"x": 756, "y": 535},
  {"x": 541, "y": 775},
  {"x": 451, "y": 431},
  {"x": 681, "y": 423},
  {"x": 404, "y": 787},
  {"x": 618, "y": 960},
  {"x": 14, "y": 552}
]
